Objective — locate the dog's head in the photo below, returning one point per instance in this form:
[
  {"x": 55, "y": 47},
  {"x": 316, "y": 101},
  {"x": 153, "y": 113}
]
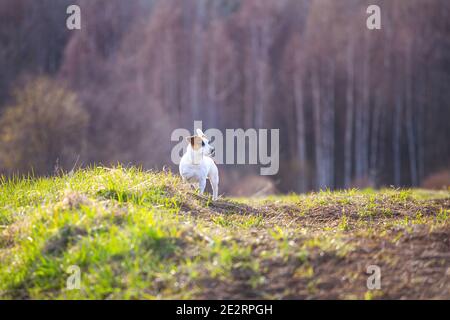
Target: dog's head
[{"x": 200, "y": 144}]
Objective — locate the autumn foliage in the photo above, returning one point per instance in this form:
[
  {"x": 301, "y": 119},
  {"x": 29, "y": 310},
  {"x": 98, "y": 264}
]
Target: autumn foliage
[
  {"x": 355, "y": 107},
  {"x": 46, "y": 126}
]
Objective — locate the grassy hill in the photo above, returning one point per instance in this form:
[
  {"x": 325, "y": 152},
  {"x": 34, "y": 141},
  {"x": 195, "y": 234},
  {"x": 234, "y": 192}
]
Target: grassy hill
[{"x": 136, "y": 234}]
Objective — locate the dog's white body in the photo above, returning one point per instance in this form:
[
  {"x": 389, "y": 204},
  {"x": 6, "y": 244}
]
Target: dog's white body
[{"x": 196, "y": 165}]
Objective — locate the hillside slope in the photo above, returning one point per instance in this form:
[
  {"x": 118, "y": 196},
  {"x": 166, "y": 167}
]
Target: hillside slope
[{"x": 145, "y": 235}]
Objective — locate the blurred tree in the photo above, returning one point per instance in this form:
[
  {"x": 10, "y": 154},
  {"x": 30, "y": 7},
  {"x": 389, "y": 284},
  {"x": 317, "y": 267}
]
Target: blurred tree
[
  {"x": 46, "y": 125},
  {"x": 33, "y": 36},
  {"x": 355, "y": 107}
]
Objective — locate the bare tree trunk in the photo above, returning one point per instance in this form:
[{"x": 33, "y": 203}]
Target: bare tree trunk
[
  {"x": 329, "y": 127},
  {"x": 317, "y": 114},
  {"x": 212, "y": 80},
  {"x": 410, "y": 119},
  {"x": 300, "y": 125},
  {"x": 374, "y": 141},
  {"x": 250, "y": 67},
  {"x": 358, "y": 140},
  {"x": 263, "y": 81},
  {"x": 420, "y": 128},
  {"x": 396, "y": 140},
  {"x": 195, "y": 81},
  {"x": 348, "y": 159},
  {"x": 376, "y": 149},
  {"x": 365, "y": 110}
]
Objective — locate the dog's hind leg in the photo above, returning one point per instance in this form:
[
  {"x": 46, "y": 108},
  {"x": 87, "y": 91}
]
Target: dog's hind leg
[{"x": 215, "y": 187}]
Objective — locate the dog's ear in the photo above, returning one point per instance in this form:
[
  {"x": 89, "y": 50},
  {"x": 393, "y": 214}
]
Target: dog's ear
[
  {"x": 200, "y": 133},
  {"x": 190, "y": 140}
]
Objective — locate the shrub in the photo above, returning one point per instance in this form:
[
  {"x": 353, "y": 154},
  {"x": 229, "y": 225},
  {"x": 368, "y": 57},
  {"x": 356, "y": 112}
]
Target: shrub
[{"x": 44, "y": 126}]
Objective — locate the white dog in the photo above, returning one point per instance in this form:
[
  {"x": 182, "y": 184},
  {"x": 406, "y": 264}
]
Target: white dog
[{"x": 196, "y": 165}]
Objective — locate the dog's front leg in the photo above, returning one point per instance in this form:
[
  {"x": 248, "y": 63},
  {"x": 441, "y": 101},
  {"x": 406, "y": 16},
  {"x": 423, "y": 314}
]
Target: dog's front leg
[
  {"x": 215, "y": 187},
  {"x": 202, "y": 185}
]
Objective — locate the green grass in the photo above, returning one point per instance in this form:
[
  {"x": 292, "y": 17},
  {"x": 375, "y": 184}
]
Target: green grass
[{"x": 136, "y": 234}]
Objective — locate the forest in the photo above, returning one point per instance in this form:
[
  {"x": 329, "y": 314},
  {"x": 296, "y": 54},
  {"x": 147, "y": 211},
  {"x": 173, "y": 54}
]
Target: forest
[{"x": 355, "y": 107}]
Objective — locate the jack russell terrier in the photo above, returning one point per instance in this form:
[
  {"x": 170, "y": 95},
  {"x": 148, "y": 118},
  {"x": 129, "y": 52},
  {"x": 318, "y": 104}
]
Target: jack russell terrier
[{"x": 196, "y": 165}]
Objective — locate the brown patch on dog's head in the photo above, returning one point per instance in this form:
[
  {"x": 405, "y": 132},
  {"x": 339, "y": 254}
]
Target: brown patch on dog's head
[{"x": 195, "y": 141}]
